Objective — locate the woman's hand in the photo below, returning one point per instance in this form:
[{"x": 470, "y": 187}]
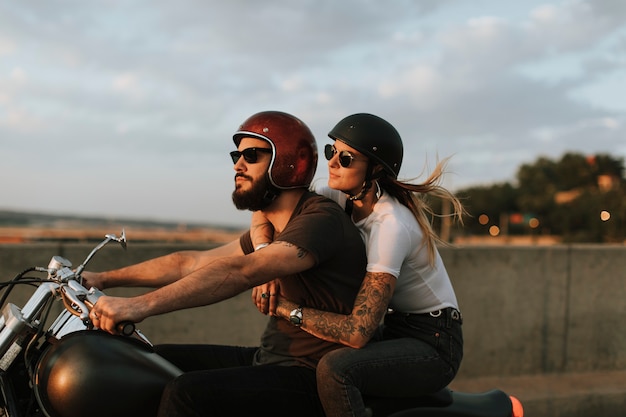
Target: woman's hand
[{"x": 265, "y": 297}]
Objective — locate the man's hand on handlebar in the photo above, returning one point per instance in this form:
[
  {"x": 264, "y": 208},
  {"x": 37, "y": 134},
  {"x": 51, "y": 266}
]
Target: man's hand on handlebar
[{"x": 112, "y": 314}]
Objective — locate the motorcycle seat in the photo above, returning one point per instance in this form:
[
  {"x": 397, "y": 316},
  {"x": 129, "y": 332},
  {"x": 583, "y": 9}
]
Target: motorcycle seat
[
  {"x": 384, "y": 406},
  {"x": 494, "y": 403}
]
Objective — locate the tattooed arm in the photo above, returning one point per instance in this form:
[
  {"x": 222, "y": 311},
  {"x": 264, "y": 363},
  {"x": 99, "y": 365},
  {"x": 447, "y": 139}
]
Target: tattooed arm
[{"x": 357, "y": 328}]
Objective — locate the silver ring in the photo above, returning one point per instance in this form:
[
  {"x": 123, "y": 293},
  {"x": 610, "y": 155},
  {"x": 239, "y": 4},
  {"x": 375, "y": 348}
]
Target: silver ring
[{"x": 265, "y": 295}]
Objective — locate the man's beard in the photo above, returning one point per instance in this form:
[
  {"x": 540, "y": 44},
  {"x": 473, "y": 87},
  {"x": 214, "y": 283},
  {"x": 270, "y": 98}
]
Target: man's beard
[{"x": 256, "y": 198}]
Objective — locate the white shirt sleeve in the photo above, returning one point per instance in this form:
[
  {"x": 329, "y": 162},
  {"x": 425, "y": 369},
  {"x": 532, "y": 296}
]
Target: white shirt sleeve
[{"x": 389, "y": 244}]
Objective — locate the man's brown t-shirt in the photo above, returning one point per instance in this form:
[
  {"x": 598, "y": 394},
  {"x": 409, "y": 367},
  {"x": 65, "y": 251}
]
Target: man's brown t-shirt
[{"x": 319, "y": 226}]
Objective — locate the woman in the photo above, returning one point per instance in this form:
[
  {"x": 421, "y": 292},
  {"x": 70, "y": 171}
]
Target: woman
[{"x": 419, "y": 348}]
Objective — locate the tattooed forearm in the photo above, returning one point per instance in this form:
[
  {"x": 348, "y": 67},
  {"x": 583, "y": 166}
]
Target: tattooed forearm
[
  {"x": 333, "y": 330},
  {"x": 358, "y": 327}
]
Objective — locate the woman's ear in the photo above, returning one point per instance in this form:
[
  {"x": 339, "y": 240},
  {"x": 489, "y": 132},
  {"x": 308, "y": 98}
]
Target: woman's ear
[{"x": 377, "y": 171}]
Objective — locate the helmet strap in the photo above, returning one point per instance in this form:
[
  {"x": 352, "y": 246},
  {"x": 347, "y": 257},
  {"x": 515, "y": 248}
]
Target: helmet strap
[
  {"x": 270, "y": 195},
  {"x": 349, "y": 207},
  {"x": 367, "y": 184}
]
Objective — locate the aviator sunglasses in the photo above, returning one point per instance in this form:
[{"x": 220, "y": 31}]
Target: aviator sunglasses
[
  {"x": 249, "y": 154},
  {"x": 345, "y": 157}
]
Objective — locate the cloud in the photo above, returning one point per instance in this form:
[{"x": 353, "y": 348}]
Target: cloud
[
  {"x": 158, "y": 87},
  {"x": 7, "y": 46}
]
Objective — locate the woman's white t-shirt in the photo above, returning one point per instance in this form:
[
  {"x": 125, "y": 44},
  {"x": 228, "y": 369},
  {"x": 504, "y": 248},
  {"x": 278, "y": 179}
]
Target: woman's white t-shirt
[{"x": 394, "y": 244}]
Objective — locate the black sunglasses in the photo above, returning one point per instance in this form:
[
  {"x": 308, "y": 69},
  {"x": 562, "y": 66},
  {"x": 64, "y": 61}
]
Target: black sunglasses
[
  {"x": 249, "y": 154},
  {"x": 345, "y": 157}
]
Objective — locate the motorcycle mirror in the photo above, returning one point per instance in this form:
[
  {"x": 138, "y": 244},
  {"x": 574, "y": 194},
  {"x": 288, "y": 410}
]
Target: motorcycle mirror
[
  {"x": 121, "y": 240},
  {"x": 107, "y": 239}
]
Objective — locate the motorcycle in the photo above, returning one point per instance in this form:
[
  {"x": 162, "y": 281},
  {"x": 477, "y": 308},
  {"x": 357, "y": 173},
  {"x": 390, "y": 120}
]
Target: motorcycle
[{"x": 71, "y": 369}]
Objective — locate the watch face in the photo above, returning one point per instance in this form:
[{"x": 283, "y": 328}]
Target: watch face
[{"x": 296, "y": 317}]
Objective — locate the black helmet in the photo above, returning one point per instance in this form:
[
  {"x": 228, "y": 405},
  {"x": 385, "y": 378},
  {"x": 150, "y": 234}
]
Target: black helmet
[
  {"x": 293, "y": 145},
  {"x": 372, "y": 136}
]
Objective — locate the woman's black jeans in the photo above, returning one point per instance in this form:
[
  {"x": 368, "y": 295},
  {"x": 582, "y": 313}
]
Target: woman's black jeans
[{"x": 418, "y": 354}]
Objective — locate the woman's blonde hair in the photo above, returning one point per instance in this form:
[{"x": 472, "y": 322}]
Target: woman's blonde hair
[{"x": 415, "y": 198}]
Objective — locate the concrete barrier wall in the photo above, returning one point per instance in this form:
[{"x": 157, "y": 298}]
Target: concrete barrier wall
[
  {"x": 527, "y": 310},
  {"x": 541, "y": 309}
]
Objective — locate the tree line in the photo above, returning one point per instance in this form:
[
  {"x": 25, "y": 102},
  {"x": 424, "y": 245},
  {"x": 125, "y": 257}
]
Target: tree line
[{"x": 578, "y": 198}]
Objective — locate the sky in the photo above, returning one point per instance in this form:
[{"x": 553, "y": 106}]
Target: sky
[{"x": 126, "y": 109}]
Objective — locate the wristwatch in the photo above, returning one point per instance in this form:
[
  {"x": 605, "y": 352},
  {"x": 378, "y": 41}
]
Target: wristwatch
[{"x": 295, "y": 317}]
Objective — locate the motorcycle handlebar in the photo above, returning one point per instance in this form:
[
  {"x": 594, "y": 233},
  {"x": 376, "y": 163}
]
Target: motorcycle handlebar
[
  {"x": 81, "y": 301},
  {"x": 125, "y": 328}
]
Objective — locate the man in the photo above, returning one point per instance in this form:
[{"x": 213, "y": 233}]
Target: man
[{"x": 317, "y": 255}]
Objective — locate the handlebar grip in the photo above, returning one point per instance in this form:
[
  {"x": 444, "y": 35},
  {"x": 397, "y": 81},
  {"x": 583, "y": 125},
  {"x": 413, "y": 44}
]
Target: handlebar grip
[{"x": 125, "y": 328}]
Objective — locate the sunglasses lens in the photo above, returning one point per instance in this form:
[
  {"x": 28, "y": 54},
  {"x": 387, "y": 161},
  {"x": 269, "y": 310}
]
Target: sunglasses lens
[
  {"x": 235, "y": 155},
  {"x": 250, "y": 155},
  {"x": 329, "y": 152},
  {"x": 345, "y": 159}
]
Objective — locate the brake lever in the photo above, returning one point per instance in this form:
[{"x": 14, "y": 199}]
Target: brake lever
[{"x": 76, "y": 305}]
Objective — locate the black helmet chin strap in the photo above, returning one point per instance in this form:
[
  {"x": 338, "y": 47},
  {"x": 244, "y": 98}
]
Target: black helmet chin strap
[
  {"x": 269, "y": 196},
  {"x": 271, "y": 193},
  {"x": 359, "y": 196},
  {"x": 367, "y": 184}
]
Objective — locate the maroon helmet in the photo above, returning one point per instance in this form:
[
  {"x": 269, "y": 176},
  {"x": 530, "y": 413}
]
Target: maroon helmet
[{"x": 294, "y": 151}]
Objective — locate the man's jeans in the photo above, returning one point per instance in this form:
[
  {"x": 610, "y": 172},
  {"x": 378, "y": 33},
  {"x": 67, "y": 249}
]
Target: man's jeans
[
  {"x": 221, "y": 381},
  {"x": 419, "y": 354}
]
